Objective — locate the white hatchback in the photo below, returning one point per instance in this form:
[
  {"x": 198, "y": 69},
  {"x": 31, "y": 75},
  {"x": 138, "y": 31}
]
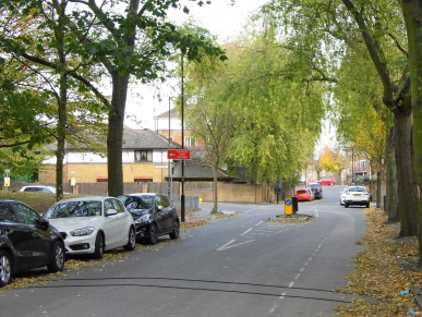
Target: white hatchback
[{"x": 92, "y": 225}]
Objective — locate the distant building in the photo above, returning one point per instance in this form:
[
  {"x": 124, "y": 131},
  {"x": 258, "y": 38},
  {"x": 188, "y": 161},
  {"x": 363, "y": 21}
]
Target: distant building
[
  {"x": 162, "y": 127},
  {"x": 144, "y": 154}
]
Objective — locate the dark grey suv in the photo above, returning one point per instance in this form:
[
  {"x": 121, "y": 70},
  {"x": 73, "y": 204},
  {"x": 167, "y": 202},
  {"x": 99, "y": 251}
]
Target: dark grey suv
[{"x": 316, "y": 190}]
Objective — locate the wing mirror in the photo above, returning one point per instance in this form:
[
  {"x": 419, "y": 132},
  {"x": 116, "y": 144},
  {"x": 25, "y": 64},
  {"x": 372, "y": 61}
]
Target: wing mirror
[
  {"x": 110, "y": 212},
  {"x": 160, "y": 207},
  {"x": 43, "y": 223}
]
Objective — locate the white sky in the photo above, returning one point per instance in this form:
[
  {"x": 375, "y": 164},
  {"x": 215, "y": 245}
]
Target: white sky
[{"x": 225, "y": 19}]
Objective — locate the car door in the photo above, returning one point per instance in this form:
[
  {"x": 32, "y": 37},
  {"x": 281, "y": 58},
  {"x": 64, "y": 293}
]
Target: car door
[
  {"x": 34, "y": 241},
  {"x": 160, "y": 215},
  {"x": 167, "y": 212},
  {"x": 111, "y": 226},
  {"x": 122, "y": 221}
]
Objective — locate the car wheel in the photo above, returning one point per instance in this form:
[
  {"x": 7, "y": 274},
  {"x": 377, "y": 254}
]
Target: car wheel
[
  {"x": 56, "y": 257},
  {"x": 346, "y": 205},
  {"x": 367, "y": 205},
  {"x": 131, "y": 245},
  {"x": 152, "y": 234},
  {"x": 176, "y": 231},
  {"x": 99, "y": 246},
  {"x": 5, "y": 268}
]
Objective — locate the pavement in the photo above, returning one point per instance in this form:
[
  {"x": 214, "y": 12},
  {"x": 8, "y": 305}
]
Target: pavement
[{"x": 239, "y": 266}]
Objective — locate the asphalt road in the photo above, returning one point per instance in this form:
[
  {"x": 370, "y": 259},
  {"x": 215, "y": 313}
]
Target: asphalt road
[{"x": 242, "y": 266}]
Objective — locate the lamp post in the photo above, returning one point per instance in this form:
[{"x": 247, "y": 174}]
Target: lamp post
[{"x": 182, "y": 99}]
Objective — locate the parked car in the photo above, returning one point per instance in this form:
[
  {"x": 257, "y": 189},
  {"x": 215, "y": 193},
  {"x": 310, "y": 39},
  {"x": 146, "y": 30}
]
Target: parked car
[
  {"x": 316, "y": 189},
  {"x": 153, "y": 216},
  {"x": 343, "y": 196},
  {"x": 38, "y": 189},
  {"x": 93, "y": 225},
  {"x": 327, "y": 181},
  {"x": 27, "y": 241},
  {"x": 356, "y": 196},
  {"x": 304, "y": 195}
]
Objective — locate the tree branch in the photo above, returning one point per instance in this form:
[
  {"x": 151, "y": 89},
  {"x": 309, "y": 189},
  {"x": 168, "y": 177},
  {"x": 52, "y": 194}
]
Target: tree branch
[
  {"x": 396, "y": 41},
  {"x": 375, "y": 52}
]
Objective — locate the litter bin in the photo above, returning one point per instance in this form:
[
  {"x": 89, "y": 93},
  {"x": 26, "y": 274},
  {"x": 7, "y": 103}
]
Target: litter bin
[
  {"x": 288, "y": 207},
  {"x": 295, "y": 204}
]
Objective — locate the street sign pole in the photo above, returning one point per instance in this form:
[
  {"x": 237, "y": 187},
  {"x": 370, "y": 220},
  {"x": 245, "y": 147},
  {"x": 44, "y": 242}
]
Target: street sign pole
[{"x": 182, "y": 197}]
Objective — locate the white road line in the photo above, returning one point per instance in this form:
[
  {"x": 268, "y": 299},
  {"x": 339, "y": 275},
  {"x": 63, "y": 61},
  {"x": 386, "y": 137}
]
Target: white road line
[
  {"x": 230, "y": 245},
  {"x": 259, "y": 222},
  {"x": 310, "y": 259},
  {"x": 291, "y": 284},
  {"x": 247, "y": 231},
  {"x": 282, "y": 295},
  {"x": 225, "y": 245},
  {"x": 306, "y": 263},
  {"x": 297, "y": 276},
  {"x": 302, "y": 269}
]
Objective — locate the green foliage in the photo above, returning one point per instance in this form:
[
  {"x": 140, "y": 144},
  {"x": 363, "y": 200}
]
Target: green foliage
[{"x": 275, "y": 106}]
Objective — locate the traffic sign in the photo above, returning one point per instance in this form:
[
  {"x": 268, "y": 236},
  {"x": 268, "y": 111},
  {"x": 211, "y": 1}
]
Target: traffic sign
[{"x": 179, "y": 154}]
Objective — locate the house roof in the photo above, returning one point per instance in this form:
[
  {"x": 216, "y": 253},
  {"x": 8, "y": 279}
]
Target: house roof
[
  {"x": 173, "y": 114},
  {"x": 145, "y": 139},
  {"x": 197, "y": 171},
  {"x": 132, "y": 139}
]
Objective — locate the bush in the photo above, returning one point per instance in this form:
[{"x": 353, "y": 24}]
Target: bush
[{"x": 39, "y": 201}]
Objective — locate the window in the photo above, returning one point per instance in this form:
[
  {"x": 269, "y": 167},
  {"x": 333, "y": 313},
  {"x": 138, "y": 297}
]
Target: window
[
  {"x": 25, "y": 214},
  {"x": 118, "y": 205},
  {"x": 102, "y": 180},
  {"x": 7, "y": 214},
  {"x": 189, "y": 141},
  {"x": 143, "y": 156},
  {"x": 75, "y": 209},
  {"x": 108, "y": 205},
  {"x": 164, "y": 201}
]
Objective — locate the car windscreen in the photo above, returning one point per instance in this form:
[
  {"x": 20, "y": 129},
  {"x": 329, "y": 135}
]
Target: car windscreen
[
  {"x": 77, "y": 208},
  {"x": 357, "y": 189},
  {"x": 302, "y": 191},
  {"x": 315, "y": 186},
  {"x": 144, "y": 201}
]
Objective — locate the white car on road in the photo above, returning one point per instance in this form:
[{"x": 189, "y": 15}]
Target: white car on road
[
  {"x": 92, "y": 225},
  {"x": 38, "y": 189},
  {"x": 356, "y": 196}
]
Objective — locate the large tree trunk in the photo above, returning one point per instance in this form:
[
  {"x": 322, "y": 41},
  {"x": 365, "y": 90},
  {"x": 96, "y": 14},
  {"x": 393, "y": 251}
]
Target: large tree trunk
[
  {"x": 215, "y": 189},
  {"x": 406, "y": 186},
  {"x": 62, "y": 99},
  {"x": 391, "y": 178},
  {"x": 412, "y": 10},
  {"x": 115, "y": 135},
  {"x": 379, "y": 184}
]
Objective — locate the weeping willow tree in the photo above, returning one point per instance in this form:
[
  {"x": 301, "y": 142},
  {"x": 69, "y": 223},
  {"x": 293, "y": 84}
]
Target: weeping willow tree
[{"x": 259, "y": 110}]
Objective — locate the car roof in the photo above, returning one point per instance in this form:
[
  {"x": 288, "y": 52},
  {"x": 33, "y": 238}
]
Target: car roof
[
  {"x": 10, "y": 201},
  {"x": 314, "y": 184},
  {"x": 37, "y": 186},
  {"x": 86, "y": 198},
  {"x": 143, "y": 194}
]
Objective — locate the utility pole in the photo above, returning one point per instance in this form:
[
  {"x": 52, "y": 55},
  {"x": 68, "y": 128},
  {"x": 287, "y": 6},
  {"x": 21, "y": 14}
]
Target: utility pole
[
  {"x": 182, "y": 99},
  {"x": 169, "y": 161}
]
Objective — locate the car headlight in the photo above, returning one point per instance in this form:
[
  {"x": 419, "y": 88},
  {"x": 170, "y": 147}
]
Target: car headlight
[
  {"x": 143, "y": 219},
  {"x": 86, "y": 231}
]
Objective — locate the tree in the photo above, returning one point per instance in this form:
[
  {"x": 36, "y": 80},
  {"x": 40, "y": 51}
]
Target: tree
[
  {"x": 412, "y": 11},
  {"x": 134, "y": 41},
  {"x": 331, "y": 161},
  {"x": 209, "y": 116},
  {"x": 339, "y": 24}
]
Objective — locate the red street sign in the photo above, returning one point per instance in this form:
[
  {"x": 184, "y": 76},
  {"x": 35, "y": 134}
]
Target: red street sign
[{"x": 179, "y": 154}]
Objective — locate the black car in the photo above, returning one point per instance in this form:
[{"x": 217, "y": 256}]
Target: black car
[
  {"x": 316, "y": 190},
  {"x": 27, "y": 241},
  {"x": 153, "y": 216}
]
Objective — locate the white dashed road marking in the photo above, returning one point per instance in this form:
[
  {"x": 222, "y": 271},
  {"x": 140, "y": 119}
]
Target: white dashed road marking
[{"x": 247, "y": 231}]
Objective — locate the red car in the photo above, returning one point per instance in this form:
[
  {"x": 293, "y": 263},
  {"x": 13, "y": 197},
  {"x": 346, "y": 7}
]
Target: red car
[
  {"x": 304, "y": 195},
  {"x": 327, "y": 181}
]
